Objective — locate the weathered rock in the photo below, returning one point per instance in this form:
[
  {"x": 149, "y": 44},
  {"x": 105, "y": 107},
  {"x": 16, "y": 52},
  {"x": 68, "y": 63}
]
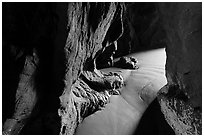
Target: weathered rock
[
  {"x": 93, "y": 29},
  {"x": 181, "y": 98},
  {"x": 109, "y": 44},
  {"x": 29, "y": 26},
  {"x": 142, "y": 29},
  {"x": 180, "y": 115},
  {"x": 85, "y": 88},
  {"x": 12, "y": 65},
  {"x": 145, "y": 21},
  {"x": 106, "y": 58},
  {"x": 25, "y": 97},
  {"x": 88, "y": 94},
  {"x": 126, "y": 63}
]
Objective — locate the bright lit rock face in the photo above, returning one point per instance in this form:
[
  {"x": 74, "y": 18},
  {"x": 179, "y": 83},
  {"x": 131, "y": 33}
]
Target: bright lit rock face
[
  {"x": 181, "y": 98},
  {"x": 87, "y": 89}
]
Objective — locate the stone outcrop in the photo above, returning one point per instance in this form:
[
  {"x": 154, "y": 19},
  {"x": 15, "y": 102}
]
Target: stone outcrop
[
  {"x": 88, "y": 94},
  {"x": 52, "y": 53},
  {"x": 181, "y": 98},
  {"x": 85, "y": 87},
  {"x": 126, "y": 63},
  {"x": 90, "y": 28}
]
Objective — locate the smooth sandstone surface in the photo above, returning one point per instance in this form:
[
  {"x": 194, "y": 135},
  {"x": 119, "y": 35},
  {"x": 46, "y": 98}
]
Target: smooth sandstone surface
[{"x": 123, "y": 113}]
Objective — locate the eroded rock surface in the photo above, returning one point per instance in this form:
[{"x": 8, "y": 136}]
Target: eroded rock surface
[
  {"x": 86, "y": 89},
  {"x": 142, "y": 29},
  {"x": 73, "y": 40},
  {"x": 181, "y": 98},
  {"x": 26, "y": 97},
  {"x": 89, "y": 93},
  {"x": 30, "y": 32},
  {"x": 90, "y": 28},
  {"x": 127, "y": 63},
  {"x": 181, "y": 116}
]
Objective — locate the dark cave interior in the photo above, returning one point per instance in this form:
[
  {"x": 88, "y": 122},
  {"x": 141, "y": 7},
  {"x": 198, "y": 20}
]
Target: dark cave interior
[{"x": 44, "y": 29}]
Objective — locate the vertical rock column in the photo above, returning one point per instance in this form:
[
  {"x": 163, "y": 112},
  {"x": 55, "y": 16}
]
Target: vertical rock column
[{"x": 86, "y": 89}]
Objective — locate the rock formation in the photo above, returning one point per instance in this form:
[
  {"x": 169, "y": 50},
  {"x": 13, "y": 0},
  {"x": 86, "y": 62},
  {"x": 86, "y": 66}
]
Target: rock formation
[
  {"x": 52, "y": 53},
  {"x": 26, "y": 97},
  {"x": 126, "y": 63},
  {"x": 86, "y": 40},
  {"x": 142, "y": 29},
  {"x": 90, "y": 32},
  {"x": 29, "y": 33},
  {"x": 181, "y": 98}
]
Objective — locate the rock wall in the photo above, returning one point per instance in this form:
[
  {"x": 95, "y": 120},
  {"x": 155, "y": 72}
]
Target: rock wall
[
  {"x": 37, "y": 37},
  {"x": 53, "y": 50},
  {"x": 89, "y": 25},
  {"x": 29, "y": 32},
  {"x": 142, "y": 29},
  {"x": 181, "y": 98}
]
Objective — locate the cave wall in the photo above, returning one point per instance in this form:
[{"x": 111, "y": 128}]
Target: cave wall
[
  {"x": 90, "y": 32},
  {"x": 49, "y": 52},
  {"x": 37, "y": 37},
  {"x": 32, "y": 46},
  {"x": 181, "y": 98},
  {"x": 142, "y": 28},
  {"x": 178, "y": 27}
]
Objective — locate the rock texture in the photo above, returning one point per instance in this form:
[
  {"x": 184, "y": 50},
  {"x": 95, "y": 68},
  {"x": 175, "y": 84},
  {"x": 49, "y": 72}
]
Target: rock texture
[
  {"x": 90, "y": 28},
  {"x": 26, "y": 97},
  {"x": 52, "y": 53},
  {"x": 30, "y": 32},
  {"x": 88, "y": 94},
  {"x": 181, "y": 98},
  {"x": 127, "y": 63},
  {"x": 142, "y": 29},
  {"x": 85, "y": 88}
]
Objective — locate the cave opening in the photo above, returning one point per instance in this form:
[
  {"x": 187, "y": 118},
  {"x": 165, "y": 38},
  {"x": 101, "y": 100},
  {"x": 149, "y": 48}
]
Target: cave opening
[
  {"x": 101, "y": 68},
  {"x": 144, "y": 40}
]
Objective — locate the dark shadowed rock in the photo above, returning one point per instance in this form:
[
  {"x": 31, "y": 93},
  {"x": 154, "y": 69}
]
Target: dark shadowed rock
[
  {"x": 25, "y": 97},
  {"x": 126, "y": 63},
  {"x": 142, "y": 29},
  {"x": 52, "y": 53},
  {"x": 105, "y": 59},
  {"x": 181, "y": 98},
  {"x": 180, "y": 115},
  {"x": 29, "y": 26}
]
